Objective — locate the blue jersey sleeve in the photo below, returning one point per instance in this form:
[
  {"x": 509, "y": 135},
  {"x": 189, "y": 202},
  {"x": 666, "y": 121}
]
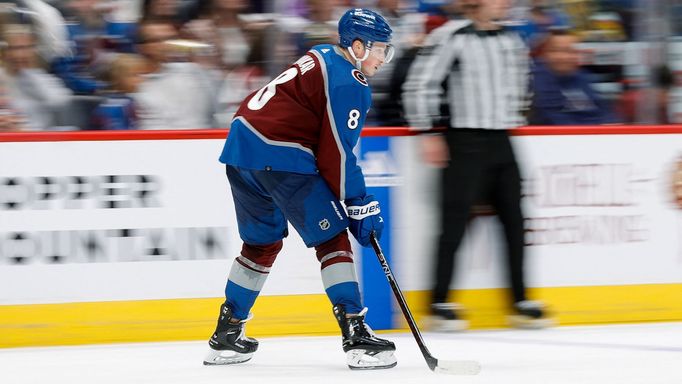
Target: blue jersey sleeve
[
  {"x": 350, "y": 103},
  {"x": 348, "y": 99}
]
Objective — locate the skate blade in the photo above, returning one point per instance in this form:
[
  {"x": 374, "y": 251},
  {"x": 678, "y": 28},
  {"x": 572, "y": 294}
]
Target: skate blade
[
  {"x": 362, "y": 359},
  {"x": 226, "y": 357},
  {"x": 525, "y": 322},
  {"x": 435, "y": 324}
]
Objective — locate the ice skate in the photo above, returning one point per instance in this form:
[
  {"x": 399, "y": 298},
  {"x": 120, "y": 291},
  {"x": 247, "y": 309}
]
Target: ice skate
[
  {"x": 529, "y": 315},
  {"x": 229, "y": 345},
  {"x": 364, "y": 350},
  {"x": 445, "y": 317}
]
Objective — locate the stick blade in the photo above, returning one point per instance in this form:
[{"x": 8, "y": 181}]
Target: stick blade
[{"x": 461, "y": 367}]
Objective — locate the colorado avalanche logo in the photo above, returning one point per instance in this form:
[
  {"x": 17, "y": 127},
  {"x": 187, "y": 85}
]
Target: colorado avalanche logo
[{"x": 360, "y": 77}]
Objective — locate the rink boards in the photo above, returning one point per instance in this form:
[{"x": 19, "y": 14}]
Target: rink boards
[{"x": 130, "y": 238}]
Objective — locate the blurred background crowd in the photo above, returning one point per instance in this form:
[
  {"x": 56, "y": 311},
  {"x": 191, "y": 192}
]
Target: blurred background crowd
[{"x": 187, "y": 64}]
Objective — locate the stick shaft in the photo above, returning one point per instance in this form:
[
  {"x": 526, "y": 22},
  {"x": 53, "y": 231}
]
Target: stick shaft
[{"x": 430, "y": 360}]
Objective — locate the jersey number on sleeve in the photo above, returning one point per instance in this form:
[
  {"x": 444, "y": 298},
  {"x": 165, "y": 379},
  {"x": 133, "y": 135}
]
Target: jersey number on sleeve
[
  {"x": 266, "y": 93},
  {"x": 353, "y": 117}
]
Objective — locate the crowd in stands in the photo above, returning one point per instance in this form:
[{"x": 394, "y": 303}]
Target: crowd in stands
[{"x": 184, "y": 64}]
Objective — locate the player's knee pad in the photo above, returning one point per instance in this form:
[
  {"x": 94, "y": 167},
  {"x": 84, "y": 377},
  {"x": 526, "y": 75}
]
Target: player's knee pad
[
  {"x": 263, "y": 255},
  {"x": 335, "y": 250}
]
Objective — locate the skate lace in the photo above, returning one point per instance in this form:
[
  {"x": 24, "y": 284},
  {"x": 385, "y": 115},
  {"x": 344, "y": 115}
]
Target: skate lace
[
  {"x": 359, "y": 327},
  {"x": 242, "y": 331}
]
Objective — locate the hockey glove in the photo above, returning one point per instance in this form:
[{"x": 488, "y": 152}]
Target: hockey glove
[{"x": 363, "y": 213}]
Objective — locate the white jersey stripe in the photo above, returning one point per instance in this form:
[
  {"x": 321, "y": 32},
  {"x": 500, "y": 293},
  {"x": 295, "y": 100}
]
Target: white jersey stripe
[
  {"x": 253, "y": 265},
  {"x": 338, "y": 273},
  {"x": 273, "y": 142},
  {"x": 335, "y": 254},
  {"x": 332, "y": 123},
  {"x": 247, "y": 278}
]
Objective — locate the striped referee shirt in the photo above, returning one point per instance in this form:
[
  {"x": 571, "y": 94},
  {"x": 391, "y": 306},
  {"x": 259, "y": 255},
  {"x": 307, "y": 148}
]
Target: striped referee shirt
[{"x": 468, "y": 78}]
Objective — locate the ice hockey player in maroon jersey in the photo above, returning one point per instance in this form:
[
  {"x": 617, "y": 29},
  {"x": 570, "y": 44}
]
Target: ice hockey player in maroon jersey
[{"x": 289, "y": 159}]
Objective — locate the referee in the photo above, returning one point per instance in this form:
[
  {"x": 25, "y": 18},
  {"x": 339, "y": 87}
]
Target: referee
[{"x": 472, "y": 77}]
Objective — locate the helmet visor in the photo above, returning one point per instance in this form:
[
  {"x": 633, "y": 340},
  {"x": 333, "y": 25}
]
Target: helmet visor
[{"x": 382, "y": 51}]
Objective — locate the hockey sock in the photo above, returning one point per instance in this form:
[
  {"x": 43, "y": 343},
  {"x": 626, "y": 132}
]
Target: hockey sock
[
  {"x": 247, "y": 276},
  {"x": 338, "y": 273}
]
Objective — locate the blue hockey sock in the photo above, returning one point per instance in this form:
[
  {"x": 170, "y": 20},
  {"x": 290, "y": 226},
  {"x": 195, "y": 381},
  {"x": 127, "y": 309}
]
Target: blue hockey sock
[
  {"x": 346, "y": 294},
  {"x": 244, "y": 285},
  {"x": 340, "y": 280}
]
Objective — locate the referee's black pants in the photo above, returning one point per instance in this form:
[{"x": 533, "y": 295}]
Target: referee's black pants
[{"x": 482, "y": 164}]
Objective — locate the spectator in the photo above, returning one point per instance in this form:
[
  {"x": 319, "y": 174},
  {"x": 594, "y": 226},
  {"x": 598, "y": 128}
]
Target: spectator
[
  {"x": 80, "y": 69},
  {"x": 118, "y": 111},
  {"x": 237, "y": 42},
  {"x": 176, "y": 12},
  {"x": 202, "y": 28},
  {"x": 320, "y": 28},
  {"x": 175, "y": 94},
  {"x": 94, "y": 40},
  {"x": 538, "y": 19},
  {"x": 33, "y": 93},
  {"x": 289, "y": 32},
  {"x": 52, "y": 36},
  {"x": 562, "y": 92},
  {"x": 126, "y": 11},
  {"x": 238, "y": 51},
  {"x": 241, "y": 42},
  {"x": 10, "y": 119},
  {"x": 161, "y": 11}
]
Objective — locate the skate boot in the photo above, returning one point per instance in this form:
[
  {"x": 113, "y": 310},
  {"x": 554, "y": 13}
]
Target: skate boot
[
  {"x": 364, "y": 350},
  {"x": 228, "y": 345},
  {"x": 530, "y": 315},
  {"x": 445, "y": 317}
]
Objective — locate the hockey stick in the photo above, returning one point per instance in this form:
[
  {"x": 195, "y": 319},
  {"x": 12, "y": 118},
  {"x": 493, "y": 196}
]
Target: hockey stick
[{"x": 465, "y": 367}]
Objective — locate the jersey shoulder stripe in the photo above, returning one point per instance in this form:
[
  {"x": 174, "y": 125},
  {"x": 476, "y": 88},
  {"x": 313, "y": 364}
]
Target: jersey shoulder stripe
[{"x": 340, "y": 72}]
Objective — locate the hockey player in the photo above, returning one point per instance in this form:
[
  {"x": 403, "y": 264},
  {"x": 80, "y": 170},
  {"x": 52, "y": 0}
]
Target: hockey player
[{"x": 289, "y": 157}]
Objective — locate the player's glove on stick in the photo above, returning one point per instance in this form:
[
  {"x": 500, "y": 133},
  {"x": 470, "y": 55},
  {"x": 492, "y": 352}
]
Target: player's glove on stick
[{"x": 364, "y": 214}]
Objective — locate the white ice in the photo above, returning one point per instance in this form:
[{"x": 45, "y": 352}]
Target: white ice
[{"x": 615, "y": 354}]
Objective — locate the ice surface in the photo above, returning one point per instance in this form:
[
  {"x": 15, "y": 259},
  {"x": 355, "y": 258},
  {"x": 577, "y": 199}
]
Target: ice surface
[{"x": 615, "y": 354}]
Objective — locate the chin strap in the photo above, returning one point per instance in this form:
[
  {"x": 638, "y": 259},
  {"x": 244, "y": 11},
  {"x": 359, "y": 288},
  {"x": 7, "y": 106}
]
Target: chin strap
[{"x": 358, "y": 62}]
